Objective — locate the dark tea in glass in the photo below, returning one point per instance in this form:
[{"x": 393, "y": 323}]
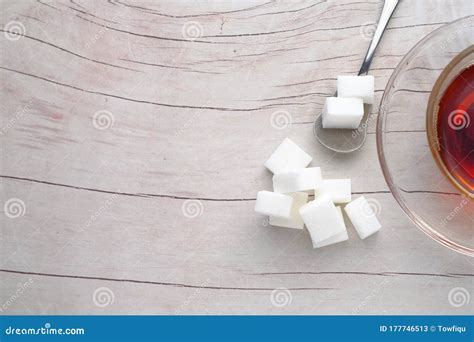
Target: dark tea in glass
[{"x": 450, "y": 124}]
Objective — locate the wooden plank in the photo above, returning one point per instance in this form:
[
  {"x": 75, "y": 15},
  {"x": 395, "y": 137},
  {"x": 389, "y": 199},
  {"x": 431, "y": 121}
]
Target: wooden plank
[
  {"x": 57, "y": 127},
  {"x": 407, "y": 294},
  {"x": 151, "y": 240}
]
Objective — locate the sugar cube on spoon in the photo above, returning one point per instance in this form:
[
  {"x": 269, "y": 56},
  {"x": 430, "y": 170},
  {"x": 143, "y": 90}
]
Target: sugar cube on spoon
[
  {"x": 356, "y": 86},
  {"x": 343, "y": 112}
]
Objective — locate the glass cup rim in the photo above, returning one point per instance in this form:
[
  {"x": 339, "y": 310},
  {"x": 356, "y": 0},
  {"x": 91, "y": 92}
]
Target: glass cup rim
[{"x": 419, "y": 222}]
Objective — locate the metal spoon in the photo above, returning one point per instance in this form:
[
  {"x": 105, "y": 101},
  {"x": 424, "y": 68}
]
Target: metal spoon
[{"x": 349, "y": 140}]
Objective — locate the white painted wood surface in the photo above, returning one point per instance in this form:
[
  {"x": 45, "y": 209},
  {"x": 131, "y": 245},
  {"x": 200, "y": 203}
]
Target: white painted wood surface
[{"x": 191, "y": 88}]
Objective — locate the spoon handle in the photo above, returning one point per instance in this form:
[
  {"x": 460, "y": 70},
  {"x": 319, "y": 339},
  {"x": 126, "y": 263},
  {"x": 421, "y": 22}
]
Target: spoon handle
[{"x": 387, "y": 11}]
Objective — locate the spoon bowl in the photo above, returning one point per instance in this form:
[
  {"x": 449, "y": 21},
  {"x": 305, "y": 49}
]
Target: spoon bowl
[
  {"x": 342, "y": 140},
  {"x": 350, "y": 140}
]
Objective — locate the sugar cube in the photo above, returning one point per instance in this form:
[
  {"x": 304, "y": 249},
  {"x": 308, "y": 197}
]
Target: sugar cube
[
  {"x": 336, "y": 238},
  {"x": 363, "y": 217},
  {"x": 306, "y": 179},
  {"x": 287, "y": 156},
  {"x": 342, "y": 112},
  {"x": 273, "y": 204},
  {"x": 338, "y": 189},
  {"x": 322, "y": 219},
  {"x": 356, "y": 86},
  {"x": 285, "y": 182},
  {"x": 295, "y": 220}
]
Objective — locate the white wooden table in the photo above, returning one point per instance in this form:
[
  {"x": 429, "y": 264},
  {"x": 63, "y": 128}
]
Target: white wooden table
[{"x": 133, "y": 138}]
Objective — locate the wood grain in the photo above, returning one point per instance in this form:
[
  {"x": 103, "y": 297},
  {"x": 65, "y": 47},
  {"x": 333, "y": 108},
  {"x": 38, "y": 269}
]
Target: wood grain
[{"x": 190, "y": 90}]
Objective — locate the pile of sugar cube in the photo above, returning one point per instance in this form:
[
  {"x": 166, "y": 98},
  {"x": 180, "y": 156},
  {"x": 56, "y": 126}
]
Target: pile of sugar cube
[
  {"x": 288, "y": 206},
  {"x": 347, "y": 109}
]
